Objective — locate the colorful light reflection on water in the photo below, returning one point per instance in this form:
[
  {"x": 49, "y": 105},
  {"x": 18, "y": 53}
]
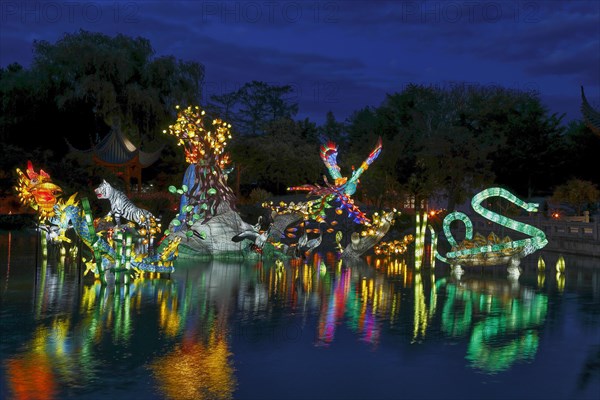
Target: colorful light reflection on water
[{"x": 320, "y": 329}]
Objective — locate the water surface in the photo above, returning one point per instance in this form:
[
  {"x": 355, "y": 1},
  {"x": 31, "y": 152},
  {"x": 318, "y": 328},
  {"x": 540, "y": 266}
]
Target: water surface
[{"x": 323, "y": 329}]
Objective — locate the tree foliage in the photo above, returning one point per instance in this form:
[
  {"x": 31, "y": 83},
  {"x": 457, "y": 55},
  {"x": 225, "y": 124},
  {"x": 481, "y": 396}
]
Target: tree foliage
[
  {"x": 332, "y": 129},
  {"x": 451, "y": 141},
  {"x": 86, "y": 83},
  {"x": 531, "y": 156},
  {"x": 437, "y": 140},
  {"x": 580, "y": 158},
  {"x": 578, "y": 193},
  {"x": 255, "y": 105},
  {"x": 279, "y": 158}
]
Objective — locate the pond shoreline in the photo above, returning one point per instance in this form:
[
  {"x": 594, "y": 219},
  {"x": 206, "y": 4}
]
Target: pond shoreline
[{"x": 564, "y": 237}]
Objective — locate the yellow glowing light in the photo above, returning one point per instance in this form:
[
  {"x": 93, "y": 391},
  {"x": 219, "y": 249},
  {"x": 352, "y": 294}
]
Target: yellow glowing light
[
  {"x": 37, "y": 191},
  {"x": 560, "y": 265},
  {"x": 200, "y": 142},
  {"x": 541, "y": 264}
]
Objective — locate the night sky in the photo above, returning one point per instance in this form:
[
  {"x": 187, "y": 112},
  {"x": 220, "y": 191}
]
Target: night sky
[{"x": 344, "y": 55}]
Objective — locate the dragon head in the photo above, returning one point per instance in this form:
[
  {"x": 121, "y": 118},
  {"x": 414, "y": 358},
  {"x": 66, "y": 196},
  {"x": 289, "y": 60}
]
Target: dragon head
[{"x": 37, "y": 191}]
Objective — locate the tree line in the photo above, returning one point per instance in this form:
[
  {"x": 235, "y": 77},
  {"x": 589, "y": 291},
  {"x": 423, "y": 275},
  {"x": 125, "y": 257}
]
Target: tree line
[{"x": 444, "y": 141}]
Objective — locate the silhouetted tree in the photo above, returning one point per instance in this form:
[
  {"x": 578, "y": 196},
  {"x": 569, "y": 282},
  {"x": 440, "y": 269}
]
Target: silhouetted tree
[
  {"x": 279, "y": 158},
  {"x": 85, "y": 83},
  {"x": 578, "y": 193},
  {"x": 580, "y": 159},
  {"x": 332, "y": 129},
  {"x": 255, "y": 105},
  {"x": 531, "y": 158},
  {"x": 223, "y": 105}
]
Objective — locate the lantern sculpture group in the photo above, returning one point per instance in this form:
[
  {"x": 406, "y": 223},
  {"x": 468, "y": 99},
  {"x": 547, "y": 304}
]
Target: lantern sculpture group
[
  {"x": 340, "y": 192},
  {"x": 208, "y": 224},
  {"x": 118, "y": 250},
  {"x": 211, "y": 226}
]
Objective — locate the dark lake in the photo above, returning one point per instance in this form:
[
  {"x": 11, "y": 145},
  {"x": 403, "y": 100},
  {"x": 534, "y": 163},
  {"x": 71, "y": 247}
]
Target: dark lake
[{"x": 373, "y": 329}]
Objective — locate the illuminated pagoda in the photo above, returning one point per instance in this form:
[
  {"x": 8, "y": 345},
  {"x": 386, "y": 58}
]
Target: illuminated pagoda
[
  {"x": 120, "y": 155},
  {"x": 591, "y": 117}
]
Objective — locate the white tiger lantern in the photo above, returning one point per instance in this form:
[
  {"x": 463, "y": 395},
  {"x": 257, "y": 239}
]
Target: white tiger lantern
[{"x": 121, "y": 206}]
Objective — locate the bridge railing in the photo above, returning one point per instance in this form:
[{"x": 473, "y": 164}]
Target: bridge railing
[
  {"x": 571, "y": 229},
  {"x": 588, "y": 231}
]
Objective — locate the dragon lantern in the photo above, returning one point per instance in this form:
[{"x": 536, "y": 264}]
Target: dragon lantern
[{"x": 36, "y": 190}]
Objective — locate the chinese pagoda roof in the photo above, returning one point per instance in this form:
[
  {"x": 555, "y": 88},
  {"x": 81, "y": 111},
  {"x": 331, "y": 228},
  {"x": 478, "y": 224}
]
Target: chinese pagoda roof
[
  {"x": 116, "y": 149},
  {"x": 590, "y": 116}
]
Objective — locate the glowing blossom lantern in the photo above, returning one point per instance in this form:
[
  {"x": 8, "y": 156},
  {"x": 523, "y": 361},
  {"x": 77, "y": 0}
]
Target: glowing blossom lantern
[
  {"x": 201, "y": 141},
  {"x": 204, "y": 187}
]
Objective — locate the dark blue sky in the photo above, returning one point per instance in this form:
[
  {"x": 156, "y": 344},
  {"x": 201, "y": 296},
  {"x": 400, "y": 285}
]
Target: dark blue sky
[{"x": 344, "y": 55}]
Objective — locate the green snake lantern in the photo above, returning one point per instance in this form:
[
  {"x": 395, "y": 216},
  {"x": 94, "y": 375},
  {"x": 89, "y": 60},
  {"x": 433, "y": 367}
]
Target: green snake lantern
[{"x": 480, "y": 251}]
